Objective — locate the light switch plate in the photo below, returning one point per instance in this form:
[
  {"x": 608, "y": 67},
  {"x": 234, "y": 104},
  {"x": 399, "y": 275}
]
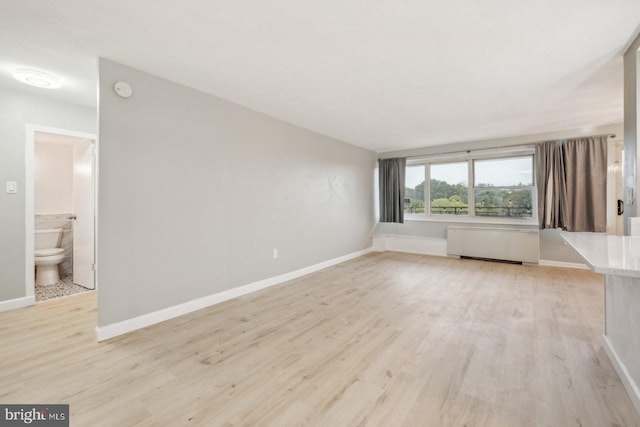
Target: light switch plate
[{"x": 12, "y": 187}]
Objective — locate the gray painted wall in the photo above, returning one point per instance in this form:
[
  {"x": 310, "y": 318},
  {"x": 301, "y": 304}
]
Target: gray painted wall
[
  {"x": 195, "y": 192},
  {"x": 623, "y": 293},
  {"x": 552, "y": 247},
  {"x": 16, "y": 110},
  {"x": 622, "y": 299},
  {"x": 630, "y": 132}
]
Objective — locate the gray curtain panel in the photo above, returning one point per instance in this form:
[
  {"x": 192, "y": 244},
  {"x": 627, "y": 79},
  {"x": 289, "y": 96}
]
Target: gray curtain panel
[
  {"x": 551, "y": 183},
  {"x": 571, "y": 177},
  {"x": 392, "y": 189}
]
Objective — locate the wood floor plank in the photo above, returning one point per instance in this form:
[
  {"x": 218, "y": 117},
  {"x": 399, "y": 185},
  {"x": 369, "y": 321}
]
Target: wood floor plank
[{"x": 382, "y": 340}]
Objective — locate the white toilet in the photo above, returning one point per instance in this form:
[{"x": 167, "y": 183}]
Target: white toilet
[{"x": 48, "y": 255}]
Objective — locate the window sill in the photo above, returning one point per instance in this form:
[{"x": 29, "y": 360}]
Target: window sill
[{"x": 471, "y": 220}]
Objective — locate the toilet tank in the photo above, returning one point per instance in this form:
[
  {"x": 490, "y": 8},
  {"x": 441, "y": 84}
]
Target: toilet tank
[{"x": 48, "y": 238}]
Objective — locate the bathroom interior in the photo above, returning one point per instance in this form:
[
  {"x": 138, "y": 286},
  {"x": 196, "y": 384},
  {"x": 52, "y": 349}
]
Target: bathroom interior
[{"x": 64, "y": 206}]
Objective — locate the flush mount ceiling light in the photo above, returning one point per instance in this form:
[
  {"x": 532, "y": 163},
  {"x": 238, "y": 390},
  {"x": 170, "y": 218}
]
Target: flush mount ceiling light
[{"x": 37, "y": 78}]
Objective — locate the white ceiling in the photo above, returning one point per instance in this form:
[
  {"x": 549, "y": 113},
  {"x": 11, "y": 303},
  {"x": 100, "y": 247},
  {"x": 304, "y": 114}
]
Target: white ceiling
[{"x": 379, "y": 74}]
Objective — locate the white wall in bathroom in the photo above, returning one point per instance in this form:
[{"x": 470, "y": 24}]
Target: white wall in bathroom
[{"x": 53, "y": 178}]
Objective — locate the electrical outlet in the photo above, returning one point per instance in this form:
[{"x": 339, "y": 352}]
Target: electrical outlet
[{"x": 275, "y": 253}]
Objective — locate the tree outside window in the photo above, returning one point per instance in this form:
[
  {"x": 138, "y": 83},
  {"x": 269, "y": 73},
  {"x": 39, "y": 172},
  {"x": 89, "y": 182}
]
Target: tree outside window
[{"x": 501, "y": 187}]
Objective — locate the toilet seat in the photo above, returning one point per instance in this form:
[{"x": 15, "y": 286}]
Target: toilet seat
[{"x": 48, "y": 252}]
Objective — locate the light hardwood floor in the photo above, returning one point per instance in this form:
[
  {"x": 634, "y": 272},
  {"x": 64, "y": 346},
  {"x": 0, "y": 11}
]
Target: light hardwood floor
[{"x": 383, "y": 340}]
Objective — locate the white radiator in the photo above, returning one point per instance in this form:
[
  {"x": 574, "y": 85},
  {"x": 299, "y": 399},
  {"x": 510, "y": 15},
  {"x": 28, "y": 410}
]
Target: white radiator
[{"x": 494, "y": 243}]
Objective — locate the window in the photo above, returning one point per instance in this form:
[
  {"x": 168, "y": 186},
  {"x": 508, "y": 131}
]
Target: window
[
  {"x": 482, "y": 187},
  {"x": 414, "y": 190},
  {"x": 504, "y": 187},
  {"x": 449, "y": 188}
]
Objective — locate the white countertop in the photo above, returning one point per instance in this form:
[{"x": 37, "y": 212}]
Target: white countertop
[{"x": 607, "y": 254}]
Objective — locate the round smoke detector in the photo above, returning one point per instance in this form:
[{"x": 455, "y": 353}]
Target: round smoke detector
[{"x": 123, "y": 89}]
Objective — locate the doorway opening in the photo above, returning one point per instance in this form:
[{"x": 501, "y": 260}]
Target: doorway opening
[{"x": 61, "y": 212}]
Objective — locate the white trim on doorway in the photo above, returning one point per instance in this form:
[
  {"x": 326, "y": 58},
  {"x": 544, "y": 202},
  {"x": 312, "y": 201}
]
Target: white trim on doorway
[{"x": 29, "y": 196}]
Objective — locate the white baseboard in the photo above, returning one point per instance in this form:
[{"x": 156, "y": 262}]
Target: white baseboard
[
  {"x": 410, "y": 244},
  {"x": 17, "y": 303},
  {"x": 139, "y": 322},
  {"x": 629, "y": 384},
  {"x": 550, "y": 263}
]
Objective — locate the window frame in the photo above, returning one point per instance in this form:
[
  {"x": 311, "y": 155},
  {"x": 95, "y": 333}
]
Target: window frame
[
  {"x": 470, "y": 159},
  {"x": 427, "y": 188}
]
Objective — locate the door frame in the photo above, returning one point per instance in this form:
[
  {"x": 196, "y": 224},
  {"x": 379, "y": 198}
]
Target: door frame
[{"x": 29, "y": 197}]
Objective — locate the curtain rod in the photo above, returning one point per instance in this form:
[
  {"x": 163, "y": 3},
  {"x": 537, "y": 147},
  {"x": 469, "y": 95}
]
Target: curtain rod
[
  {"x": 610, "y": 135},
  {"x": 505, "y": 148}
]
